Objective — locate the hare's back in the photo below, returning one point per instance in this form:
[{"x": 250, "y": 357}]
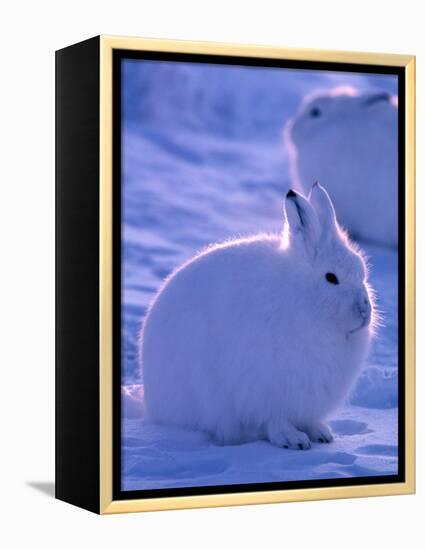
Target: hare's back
[
  {"x": 224, "y": 284},
  {"x": 223, "y": 271}
]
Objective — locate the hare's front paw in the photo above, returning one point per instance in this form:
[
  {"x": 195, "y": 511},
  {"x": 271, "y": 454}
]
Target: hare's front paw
[
  {"x": 289, "y": 437},
  {"x": 319, "y": 433}
]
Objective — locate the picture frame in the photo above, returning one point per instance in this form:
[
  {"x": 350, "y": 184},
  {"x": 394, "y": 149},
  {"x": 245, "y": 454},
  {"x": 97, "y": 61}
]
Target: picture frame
[{"x": 89, "y": 218}]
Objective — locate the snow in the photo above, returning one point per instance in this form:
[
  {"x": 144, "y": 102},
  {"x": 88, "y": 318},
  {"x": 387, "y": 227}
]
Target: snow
[
  {"x": 158, "y": 457},
  {"x": 203, "y": 160}
]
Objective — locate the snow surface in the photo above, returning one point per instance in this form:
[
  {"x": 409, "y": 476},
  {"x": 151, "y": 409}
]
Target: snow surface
[{"x": 203, "y": 160}]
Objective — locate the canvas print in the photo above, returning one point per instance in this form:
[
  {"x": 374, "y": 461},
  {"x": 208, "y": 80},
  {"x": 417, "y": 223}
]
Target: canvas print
[{"x": 259, "y": 275}]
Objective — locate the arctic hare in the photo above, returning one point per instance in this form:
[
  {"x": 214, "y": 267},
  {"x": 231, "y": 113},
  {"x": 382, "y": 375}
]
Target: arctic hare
[
  {"x": 350, "y": 141},
  {"x": 261, "y": 338}
]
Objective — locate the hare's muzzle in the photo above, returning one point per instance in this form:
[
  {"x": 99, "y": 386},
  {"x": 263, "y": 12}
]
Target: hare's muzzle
[{"x": 363, "y": 310}]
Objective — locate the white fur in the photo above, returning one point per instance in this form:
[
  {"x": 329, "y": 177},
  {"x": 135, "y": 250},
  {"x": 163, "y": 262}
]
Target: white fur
[
  {"x": 351, "y": 147},
  {"x": 249, "y": 340}
]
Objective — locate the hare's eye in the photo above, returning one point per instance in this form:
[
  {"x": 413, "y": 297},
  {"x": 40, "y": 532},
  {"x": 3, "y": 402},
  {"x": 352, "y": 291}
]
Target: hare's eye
[
  {"x": 315, "y": 112},
  {"x": 332, "y": 278}
]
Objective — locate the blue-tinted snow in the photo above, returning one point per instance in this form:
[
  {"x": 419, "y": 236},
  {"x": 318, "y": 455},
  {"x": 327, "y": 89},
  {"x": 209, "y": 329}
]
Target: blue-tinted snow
[{"x": 203, "y": 160}]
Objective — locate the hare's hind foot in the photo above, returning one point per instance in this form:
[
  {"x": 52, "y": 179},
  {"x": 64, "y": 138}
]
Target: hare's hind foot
[
  {"x": 319, "y": 433},
  {"x": 289, "y": 437}
]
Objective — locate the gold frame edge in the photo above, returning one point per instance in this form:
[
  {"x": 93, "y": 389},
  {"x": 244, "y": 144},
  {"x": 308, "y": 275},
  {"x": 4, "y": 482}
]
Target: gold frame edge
[{"x": 106, "y": 503}]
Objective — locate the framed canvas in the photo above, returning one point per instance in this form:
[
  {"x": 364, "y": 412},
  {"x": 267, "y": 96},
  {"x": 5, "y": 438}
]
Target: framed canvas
[{"x": 235, "y": 274}]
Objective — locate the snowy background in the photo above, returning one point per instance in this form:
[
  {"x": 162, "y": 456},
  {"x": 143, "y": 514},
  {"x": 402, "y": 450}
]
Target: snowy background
[{"x": 203, "y": 160}]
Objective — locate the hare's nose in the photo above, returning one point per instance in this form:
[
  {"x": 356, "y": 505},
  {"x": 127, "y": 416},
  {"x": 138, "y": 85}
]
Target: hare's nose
[{"x": 364, "y": 307}]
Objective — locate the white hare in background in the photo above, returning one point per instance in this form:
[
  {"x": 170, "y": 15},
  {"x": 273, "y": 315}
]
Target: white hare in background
[
  {"x": 350, "y": 140},
  {"x": 261, "y": 338}
]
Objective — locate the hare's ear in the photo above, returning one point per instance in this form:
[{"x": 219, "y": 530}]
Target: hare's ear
[
  {"x": 324, "y": 207},
  {"x": 302, "y": 220}
]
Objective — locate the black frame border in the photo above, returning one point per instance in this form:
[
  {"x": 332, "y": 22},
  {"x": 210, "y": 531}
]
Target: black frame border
[{"x": 118, "y": 56}]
